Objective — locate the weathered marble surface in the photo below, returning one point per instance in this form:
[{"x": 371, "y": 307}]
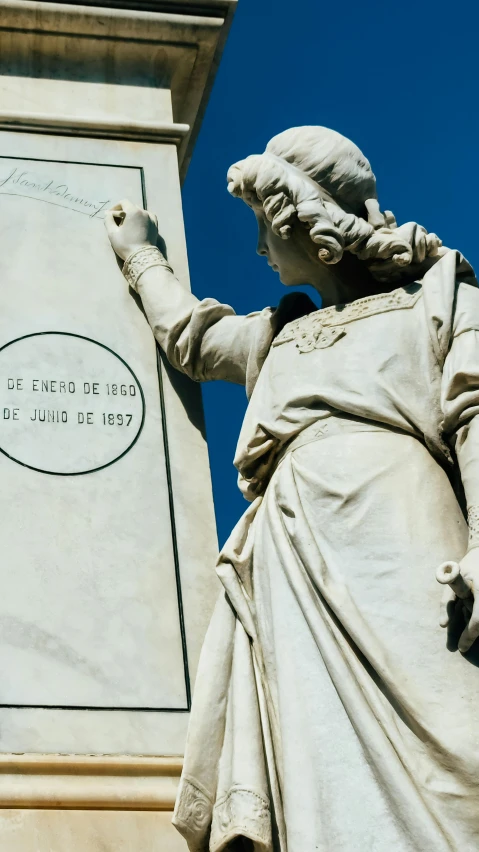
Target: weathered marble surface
[
  {"x": 90, "y": 610},
  {"x": 89, "y": 614},
  {"x": 88, "y": 618}
]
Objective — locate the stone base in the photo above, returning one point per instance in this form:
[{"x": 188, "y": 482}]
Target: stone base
[{"x": 87, "y": 831}]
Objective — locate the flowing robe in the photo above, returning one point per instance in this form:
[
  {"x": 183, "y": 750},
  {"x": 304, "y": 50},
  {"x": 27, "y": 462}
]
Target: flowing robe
[{"x": 331, "y": 712}]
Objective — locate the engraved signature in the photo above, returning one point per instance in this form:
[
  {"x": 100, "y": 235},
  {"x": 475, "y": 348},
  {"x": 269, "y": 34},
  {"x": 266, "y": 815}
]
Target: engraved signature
[{"x": 28, "y": 185}]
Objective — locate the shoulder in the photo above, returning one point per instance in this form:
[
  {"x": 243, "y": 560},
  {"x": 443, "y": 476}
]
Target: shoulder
[
  {"x": 451, "y": 299},
  {"x": 269, "y": 322}
]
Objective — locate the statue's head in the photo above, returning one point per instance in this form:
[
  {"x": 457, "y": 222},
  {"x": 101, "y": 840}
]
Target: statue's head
[{"x": 314, "y": 189}]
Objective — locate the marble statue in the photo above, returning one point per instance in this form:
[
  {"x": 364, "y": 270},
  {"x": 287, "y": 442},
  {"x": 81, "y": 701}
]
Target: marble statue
[{"x": 337, "y": 702}]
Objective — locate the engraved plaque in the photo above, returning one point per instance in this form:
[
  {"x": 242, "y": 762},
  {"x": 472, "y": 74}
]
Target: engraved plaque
[
  {"x": 90, "y": 610},
  {"x": 68, "y": 405}
]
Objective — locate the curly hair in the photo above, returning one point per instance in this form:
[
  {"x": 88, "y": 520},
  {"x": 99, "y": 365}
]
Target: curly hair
[{"x": 319, "y": 178}]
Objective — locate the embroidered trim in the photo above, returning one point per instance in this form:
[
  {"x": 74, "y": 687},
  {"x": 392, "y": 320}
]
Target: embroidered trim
[
  {"x": 193, "y": 813},
  {"x": 318, "y": 337},
  {"x": 473, "y": 524},
  {"x": 241, "y": 813},
  {"x": 141, "y": 260},
  {"x": 310, "y": 331}
]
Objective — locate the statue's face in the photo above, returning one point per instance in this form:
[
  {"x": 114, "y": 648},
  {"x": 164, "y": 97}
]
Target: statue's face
[{"x": 293, "y": 259}]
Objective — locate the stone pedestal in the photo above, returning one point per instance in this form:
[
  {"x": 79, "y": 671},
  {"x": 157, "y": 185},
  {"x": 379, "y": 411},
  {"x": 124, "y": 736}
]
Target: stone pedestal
[{"x": 107, "y": 534}]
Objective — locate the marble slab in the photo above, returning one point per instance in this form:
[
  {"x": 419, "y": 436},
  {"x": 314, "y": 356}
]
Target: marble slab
[{"x": 89, "y": 611}]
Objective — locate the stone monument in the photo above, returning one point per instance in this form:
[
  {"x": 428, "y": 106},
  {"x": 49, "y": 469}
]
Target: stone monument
[{"x": 107, "y": 534}]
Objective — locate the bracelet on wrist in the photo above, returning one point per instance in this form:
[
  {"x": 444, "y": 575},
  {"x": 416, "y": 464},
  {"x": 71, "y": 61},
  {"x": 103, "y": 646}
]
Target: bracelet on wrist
[{"x": 139, "y": 261}]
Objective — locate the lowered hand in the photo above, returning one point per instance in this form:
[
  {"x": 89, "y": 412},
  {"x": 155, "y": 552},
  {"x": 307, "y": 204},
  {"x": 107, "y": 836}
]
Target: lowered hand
[{"x": 468, "y": 591}]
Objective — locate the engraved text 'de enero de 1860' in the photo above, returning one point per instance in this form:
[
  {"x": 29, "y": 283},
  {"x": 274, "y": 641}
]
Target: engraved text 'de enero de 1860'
[{"x": 68, "y": 404}]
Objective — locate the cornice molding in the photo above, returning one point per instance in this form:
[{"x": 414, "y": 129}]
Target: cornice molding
[
  {"x": 139, "y": 131},
  {"x": 76, "y": 782},
  {"x": 105, "y": 22},
  {"x": 173, "y": 45},
  {"x": 222, "y": 8}
]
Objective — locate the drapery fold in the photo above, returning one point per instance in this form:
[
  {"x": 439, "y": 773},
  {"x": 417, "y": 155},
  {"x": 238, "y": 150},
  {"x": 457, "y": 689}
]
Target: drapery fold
[{"x": 330, "y": 710}]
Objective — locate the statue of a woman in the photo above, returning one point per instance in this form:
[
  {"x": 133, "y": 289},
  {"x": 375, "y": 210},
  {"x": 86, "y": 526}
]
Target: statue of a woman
[{"x": 331, "y": 712}]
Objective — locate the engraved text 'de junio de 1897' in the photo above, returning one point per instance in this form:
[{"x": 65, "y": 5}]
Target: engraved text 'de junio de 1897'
[{"x": 68, "y": 405}]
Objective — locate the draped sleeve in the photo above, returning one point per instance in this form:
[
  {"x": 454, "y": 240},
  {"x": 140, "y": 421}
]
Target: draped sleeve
[
  {"x": 460, "y": 396},
  {"x": 206, "y": 339}
]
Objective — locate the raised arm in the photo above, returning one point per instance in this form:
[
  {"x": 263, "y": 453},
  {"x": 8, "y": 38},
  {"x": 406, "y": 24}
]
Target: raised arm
[{"x": 204, "y": 339}]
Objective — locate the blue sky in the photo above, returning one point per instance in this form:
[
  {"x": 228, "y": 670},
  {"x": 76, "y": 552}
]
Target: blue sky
[{"x": 400, "y": 80}]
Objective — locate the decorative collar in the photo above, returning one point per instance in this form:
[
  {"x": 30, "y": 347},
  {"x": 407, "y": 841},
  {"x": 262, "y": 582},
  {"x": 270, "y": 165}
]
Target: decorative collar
[{"x": 339, "y": 315}]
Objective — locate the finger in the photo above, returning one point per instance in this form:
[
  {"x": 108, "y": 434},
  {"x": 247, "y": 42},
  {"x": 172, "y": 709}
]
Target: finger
[
  {"x": 110, "y": 223},
  {"x": 471, "y": 632},
  {"x": 154, "y": 218},
  {"x": 390, "y": 219},
  {"x": 447, "y": 607},
  {"x": 127, "y": 206}
]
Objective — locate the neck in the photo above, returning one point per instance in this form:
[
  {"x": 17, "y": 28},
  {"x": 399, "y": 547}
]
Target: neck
[{"x": 345, "y": 281}]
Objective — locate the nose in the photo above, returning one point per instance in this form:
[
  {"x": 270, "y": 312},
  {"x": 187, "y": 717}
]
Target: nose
[{"x": 262, "y": 246}]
